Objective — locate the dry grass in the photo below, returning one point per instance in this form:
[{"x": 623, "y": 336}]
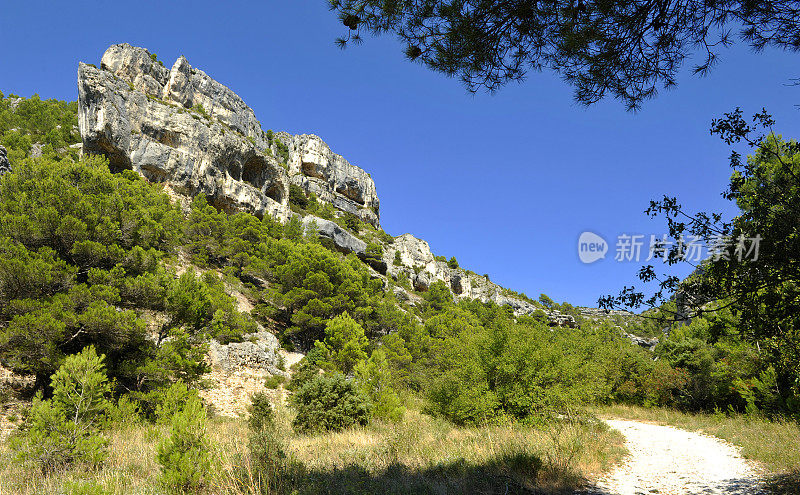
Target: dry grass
[
  {"x": 420, "y": 455},
  {"x": 774, "y": 444}
]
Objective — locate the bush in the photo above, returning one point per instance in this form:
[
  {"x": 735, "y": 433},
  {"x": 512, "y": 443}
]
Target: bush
[
  {"x": 374, "y": 251},
  {"x": 329, "y": 403},
  {"x": 351, "y": 222},
  {"x": 66, "y": 428},
  {"x": 345, "y": 343},
  {"x": 266, "y": 469},
  {"x": 185, "y": 456},
  {"x": 375, "y": 379},
  {"x": 297, "y": 197},
  {"x": 170, "y": 400},
  {"x": 274, "y": 381}
]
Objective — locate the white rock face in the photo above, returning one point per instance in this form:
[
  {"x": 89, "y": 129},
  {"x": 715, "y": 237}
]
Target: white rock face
[
  {"x": 419, "y": 264},
  {"x": 181, "y": 127},
  {"x": 315, "y": 168}
]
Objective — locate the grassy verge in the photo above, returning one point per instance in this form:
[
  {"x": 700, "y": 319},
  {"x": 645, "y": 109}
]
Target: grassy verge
[
  {"x": 420, "y": 455},
  {"x": 774, "y": 444}
]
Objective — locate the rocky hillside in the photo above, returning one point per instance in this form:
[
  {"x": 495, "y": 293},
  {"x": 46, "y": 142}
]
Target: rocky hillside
[{"x": 180, "y": 127}]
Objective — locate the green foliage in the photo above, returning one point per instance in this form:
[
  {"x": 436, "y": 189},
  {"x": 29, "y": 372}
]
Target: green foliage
[
  {"x": 80, "y": 248},
  {"x": 26, "y": 121},
  {"x": 397, "y": 260},
  {"x": 265, "y": 471},
  {"x": 438, "y": 296},
  {"x": 452, "y": 262},
  {"x": 317, "y": 285},
  {"x": 625, "y": 49},
  {"x": 184, "y": 457},
  {"x": 329, "y": 403},
  {"x": 345, "y": 343},
  {"x": 282, "y": 151},
  {"x": 201, "y": 110},
  {"x": 66, "y": 429},
  {"x": 374, "y": 251},
  {"x": 321, "y": 209},
  {"x": 155, "y": 59},
  {"x": 297, "y": 197},
  {"x": 545, "y": 300},
  {"x": 375, "y": 380},
  {"x": 125, "y": 412},
  {"x": 385, "y": 237},
  {"x": 170, "y": 400},
  {"x": 762, "y": 290},
  {"x": 274, "y": 381},
  {"x": 203, "y": 305},
  {"x": 351, "y": 222}
]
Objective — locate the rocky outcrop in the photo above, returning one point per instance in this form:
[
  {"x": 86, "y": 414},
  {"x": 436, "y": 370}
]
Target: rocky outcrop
[
  {"x": 317, "y": 169},
  {"x": 5, "y": 166},
  {"x": 258, "y": 351},
  {"x": 647, "y": 343},
  {"x": 181, "y": 127},
  {"x": 420, "y": 266},
  {"x": 342, "y": 240}
]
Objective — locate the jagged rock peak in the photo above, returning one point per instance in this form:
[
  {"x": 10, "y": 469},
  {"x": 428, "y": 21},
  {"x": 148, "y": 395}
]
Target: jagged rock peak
[{"x": 184, "y": 128}]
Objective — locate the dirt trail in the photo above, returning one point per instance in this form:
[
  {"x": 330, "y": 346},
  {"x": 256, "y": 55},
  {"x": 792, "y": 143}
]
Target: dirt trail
[{"x": 671, "y": 461}]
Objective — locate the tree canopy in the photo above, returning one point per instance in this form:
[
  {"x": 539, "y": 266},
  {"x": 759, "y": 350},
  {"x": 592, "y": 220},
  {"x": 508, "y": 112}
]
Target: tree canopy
[
  {"x": 627, "y": 49},
  {"x": 757, "y": 282}
]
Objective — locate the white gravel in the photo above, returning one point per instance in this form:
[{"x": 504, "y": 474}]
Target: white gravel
[{"x": 671, "y": 461}]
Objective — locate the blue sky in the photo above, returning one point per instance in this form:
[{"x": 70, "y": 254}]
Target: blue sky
[{"x": 505, "y": 182}]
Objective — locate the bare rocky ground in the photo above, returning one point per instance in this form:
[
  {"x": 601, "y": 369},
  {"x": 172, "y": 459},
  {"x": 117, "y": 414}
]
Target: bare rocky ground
[{"x": 670, "y": 461}]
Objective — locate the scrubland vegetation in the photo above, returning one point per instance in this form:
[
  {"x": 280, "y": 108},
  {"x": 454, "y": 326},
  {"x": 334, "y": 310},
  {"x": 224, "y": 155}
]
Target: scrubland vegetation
[{"x": 440, "y": 396}]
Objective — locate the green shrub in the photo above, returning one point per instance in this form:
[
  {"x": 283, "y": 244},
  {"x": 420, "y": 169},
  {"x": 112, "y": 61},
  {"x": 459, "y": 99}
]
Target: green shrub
[
  {"x": 86, "y": 488},
  {"x": 375, "y": 380},
  {"x": 397, "y": 260},
  {"x": 345, "y": 343},
  {"x": 184, "y": 457},
  {"x": 385, "y": 237},
  {"x": 452, "y": 262},
  {"x": 374, "y": 251},
  {"x": 297, "y": 196},
  {"x": 266, "y": 470},
  {"x": 274, "y": 381},
  {"x": 201, "y": 110},
  {"x": 329, "y": 403},
  {"x": 282, "y": 151},
  {"x": 125, "y": 412},
  {"x": 67, "y": 428},
  {"x": 351, "y": 222},
  {"x": 169, "y": 401}
]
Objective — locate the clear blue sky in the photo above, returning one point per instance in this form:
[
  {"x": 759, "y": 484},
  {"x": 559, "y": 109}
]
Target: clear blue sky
[{"x": 504, "y": 182}]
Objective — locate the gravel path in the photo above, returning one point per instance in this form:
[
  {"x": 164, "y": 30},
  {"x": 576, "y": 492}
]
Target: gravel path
[{"x": 670, "y": 461}]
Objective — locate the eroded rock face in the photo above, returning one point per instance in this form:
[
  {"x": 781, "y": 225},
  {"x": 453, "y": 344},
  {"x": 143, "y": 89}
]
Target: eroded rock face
[
  {"x": 5, "y": 166},
  {"x": 259, "y": 351},
  {"x": 421, "y": 267},
  {"x": 181, "y": 127},
  {"x": 315, "y": 168}
]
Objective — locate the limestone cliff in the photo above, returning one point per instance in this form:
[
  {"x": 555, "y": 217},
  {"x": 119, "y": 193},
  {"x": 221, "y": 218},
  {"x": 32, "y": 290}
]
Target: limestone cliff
[{"x": 181, "y": 127}]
